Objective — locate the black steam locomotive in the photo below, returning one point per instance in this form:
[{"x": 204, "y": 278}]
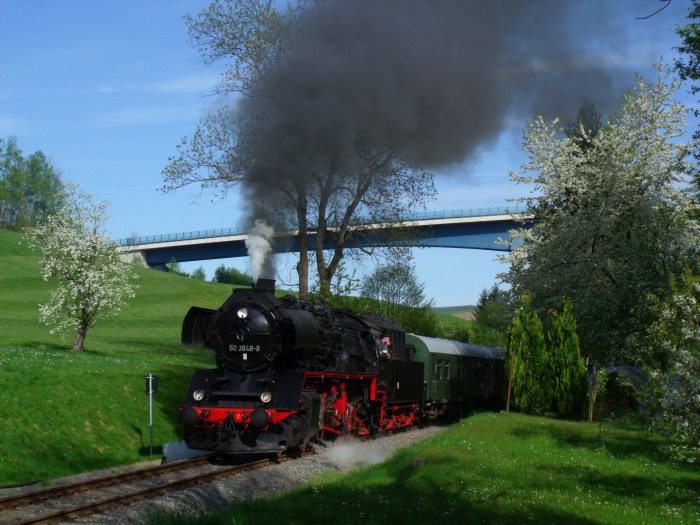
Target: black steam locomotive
[{"x": 289, "y": 371}]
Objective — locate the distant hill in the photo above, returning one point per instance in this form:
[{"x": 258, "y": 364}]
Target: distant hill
[
  {"x": 461, "y": 312},
  {"x": 453, "y": 309}
]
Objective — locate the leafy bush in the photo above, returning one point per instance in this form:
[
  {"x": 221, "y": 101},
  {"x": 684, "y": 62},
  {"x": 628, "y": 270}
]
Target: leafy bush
[{"x": 227, "y": 275}]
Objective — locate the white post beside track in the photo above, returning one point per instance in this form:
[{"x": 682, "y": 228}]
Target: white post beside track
[{"x": 151, "y": 389}]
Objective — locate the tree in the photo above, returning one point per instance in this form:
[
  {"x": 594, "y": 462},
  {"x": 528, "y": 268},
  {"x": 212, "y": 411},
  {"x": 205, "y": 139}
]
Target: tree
[
  {"x": 395, "y": 285},
  {"x": 493, "y": 315},
  {"x": 174, "y": 267},
  {"x": 29, "y": 187},
  {"x": 252, "y": 34},
  {"x": 463, "y": 332},
  {"x": 310, "y": 163},
  {"x": 549, "y": 374},
  {"x": 689, "y": 69},
  {"x": 92, "y": 281},
  {"x": 494, "y": 309},
  {"x": 199, "y": 273},
  {"x": 568, "y": 369},
  {"x": 224, "y": 274},
  {"x": 609, "y": 221},
  {"x": 674, "y": 395},
  {"x": 397, "y": 294},
  {"x": 527, "y": 348},
  {"x": 587, "y": 125}
]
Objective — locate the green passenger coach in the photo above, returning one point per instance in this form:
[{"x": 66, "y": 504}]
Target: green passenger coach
[{"x": 458, "y": 377}]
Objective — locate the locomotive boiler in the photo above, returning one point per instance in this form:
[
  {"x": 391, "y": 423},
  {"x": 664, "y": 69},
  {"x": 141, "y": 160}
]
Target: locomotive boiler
[{"x": 289, "y": 371}]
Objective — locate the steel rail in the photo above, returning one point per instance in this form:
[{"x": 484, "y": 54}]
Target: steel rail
[
  {"x": 80, "y": 486},
  {"x": 101, "y": 505}
]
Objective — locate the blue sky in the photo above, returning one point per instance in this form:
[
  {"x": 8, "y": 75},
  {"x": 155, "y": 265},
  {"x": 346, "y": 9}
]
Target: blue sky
[{"x": 106, "y": 89}]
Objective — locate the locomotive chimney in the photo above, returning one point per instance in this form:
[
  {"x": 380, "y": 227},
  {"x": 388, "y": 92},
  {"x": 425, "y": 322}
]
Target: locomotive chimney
[{"x": 265, "y": 285}]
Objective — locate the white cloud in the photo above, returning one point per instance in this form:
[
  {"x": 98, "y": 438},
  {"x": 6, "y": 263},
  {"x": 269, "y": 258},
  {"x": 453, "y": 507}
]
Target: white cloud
[
  {"x": 188, "y": 85},
  {"x": 97, "y": 91},
  {"x": 150, "y": 115},
  {"x": 194, "y": 84}
]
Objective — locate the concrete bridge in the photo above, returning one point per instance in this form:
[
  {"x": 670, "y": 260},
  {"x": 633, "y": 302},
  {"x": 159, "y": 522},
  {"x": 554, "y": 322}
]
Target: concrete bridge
[{"x": 477, "y": 229}]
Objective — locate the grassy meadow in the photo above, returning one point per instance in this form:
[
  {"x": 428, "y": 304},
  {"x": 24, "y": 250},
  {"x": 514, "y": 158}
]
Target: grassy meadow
[
  {"x": 63, "y": 412},
  {"x": 493, "y": 469}
]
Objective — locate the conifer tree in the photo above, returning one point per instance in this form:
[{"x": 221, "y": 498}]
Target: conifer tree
[
  {"x": 567, "y": 367},
  {"x": 530, "y": 374}
]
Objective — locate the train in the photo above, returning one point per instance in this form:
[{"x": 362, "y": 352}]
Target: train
[{"x": 290, "y": 372}]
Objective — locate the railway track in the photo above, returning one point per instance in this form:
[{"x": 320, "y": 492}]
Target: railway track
[{"x": 68, "y": 502}]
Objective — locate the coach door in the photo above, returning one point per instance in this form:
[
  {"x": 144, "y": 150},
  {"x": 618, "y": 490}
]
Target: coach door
[{"x": 440, "y": 379}]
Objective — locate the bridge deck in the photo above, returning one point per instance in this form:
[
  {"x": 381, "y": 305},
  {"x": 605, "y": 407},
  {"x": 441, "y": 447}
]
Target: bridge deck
[{"x": 483, "y": 229}]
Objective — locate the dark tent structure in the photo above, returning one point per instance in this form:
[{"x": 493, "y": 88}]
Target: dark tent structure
[
  {"x": 635, "y": 375},
  {"x": 618, "y": 396}
]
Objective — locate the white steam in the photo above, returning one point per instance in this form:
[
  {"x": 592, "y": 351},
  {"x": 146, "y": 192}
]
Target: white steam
[
  {"x": 259, "y": 244},
  {"x": 176, "y": 451},
  {"x": 347, "y": 454}
]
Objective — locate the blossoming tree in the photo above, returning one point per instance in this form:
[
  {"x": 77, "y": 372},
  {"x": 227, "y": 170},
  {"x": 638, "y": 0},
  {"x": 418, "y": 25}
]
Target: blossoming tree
[
  {"x": 610, "y": 218},
  {"x": 93, "y": 282}
]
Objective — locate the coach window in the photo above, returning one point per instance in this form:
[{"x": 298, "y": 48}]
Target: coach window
[
  {"x": 438, "y": 369},
  {"x": 446, "y": 370}
]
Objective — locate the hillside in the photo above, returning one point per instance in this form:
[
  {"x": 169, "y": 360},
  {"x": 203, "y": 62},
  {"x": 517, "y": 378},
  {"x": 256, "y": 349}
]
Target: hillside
[
  {"x": 465, "y": 312},
  {"x": 63, "y": 412}
]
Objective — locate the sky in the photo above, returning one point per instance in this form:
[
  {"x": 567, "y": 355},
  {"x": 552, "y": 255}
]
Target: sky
[{"x": 107, "y": 89}]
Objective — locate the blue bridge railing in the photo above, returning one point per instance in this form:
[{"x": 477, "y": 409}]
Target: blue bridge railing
[{"x": 417, "y": 216}]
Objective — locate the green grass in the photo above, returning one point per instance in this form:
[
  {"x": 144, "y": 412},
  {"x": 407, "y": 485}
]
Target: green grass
[
  {"x": 448, "y": 319},
  {"x": 62, "y": 412},
  {"x": 494, "y": 468}
]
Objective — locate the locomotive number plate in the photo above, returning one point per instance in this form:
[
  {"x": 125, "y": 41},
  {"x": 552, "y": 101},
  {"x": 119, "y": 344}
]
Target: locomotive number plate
[{"x": 243, "y": 348}]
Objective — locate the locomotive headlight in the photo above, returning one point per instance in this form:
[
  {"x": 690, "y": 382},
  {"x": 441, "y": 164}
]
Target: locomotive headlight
[
  {"x": 266, "y": 397},
  {"x": 242, "y": 313},
  {"x": 198, "y": 395}
]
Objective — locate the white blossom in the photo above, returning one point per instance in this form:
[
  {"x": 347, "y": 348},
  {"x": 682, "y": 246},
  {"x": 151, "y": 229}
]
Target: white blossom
[
  {"x": 610, "y": 219},
  {"x": 675, "y": 392},
  {"x": 78, "y": 254}
]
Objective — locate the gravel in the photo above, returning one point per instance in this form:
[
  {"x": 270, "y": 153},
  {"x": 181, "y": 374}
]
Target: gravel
[{"x": 265, "y": 481}]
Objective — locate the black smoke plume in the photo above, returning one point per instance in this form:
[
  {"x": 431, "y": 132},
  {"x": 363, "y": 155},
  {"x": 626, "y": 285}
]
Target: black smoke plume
[{"x": 437, "y": 81}]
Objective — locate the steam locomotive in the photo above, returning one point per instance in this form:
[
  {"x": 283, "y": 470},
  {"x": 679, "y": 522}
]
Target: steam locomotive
[{"x": 289, "y": 371}]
